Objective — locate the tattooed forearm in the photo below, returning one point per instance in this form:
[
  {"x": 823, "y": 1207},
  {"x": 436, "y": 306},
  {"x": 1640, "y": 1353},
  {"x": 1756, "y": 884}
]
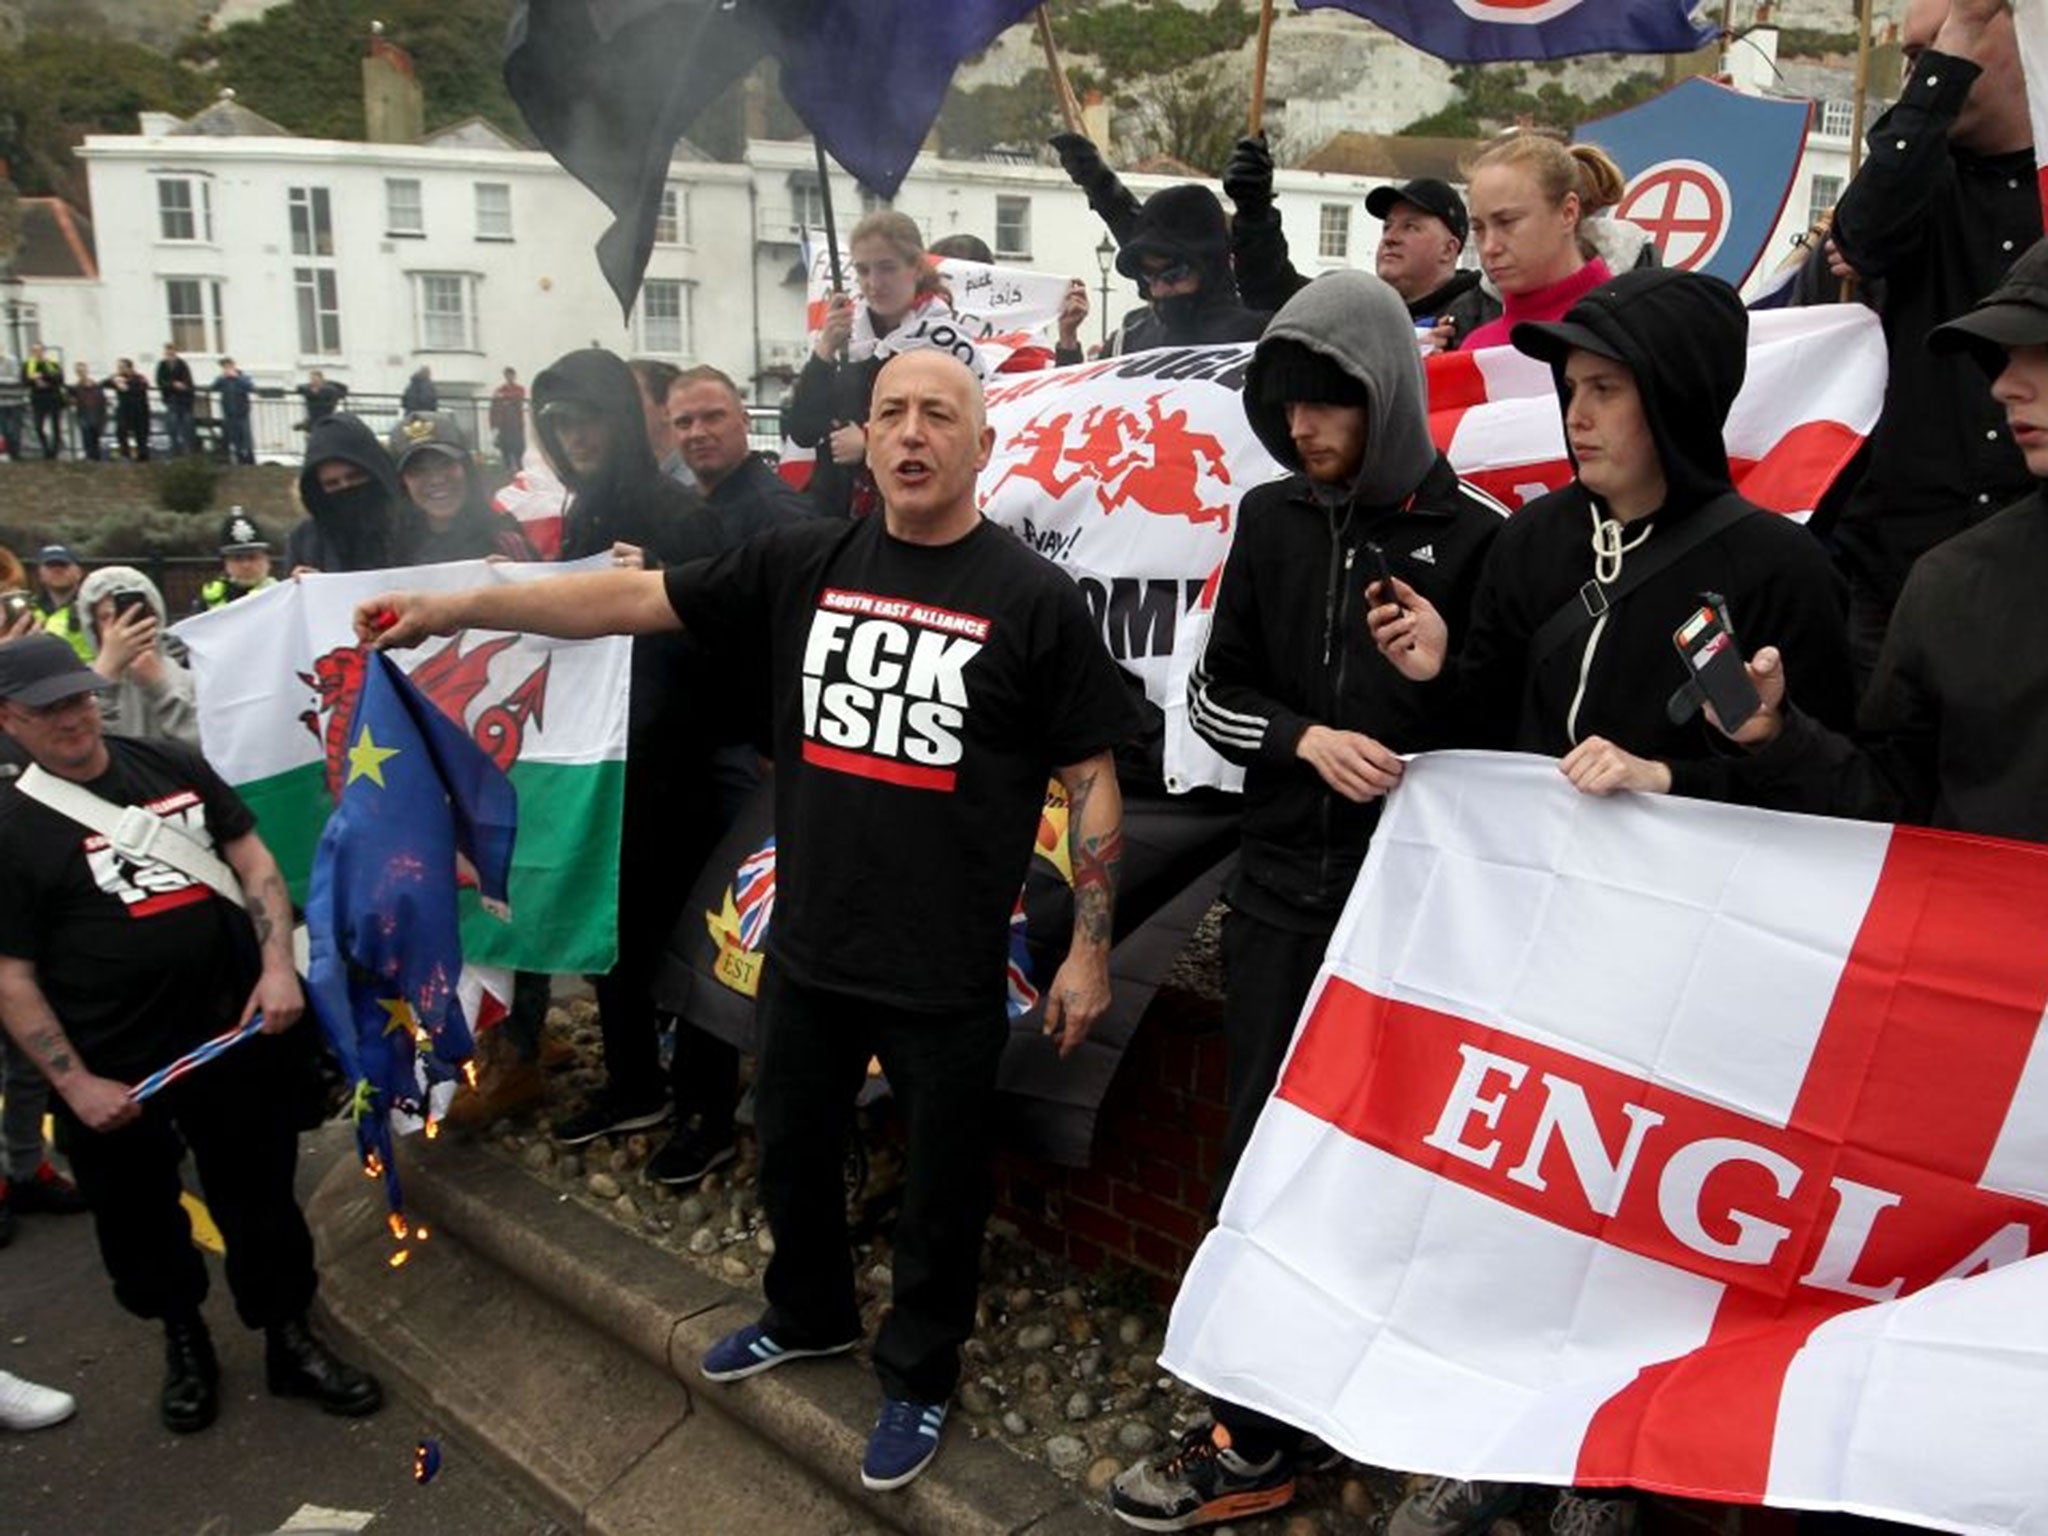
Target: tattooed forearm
[
  {"x": 270, "y": 909},
  {"x": 1095, "y": 847},
  {"x": 51, "y": 1051}
]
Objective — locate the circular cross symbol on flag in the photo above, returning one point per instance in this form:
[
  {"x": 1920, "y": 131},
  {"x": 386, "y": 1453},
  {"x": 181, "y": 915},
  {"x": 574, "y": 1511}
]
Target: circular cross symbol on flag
[
  {"x": 1517, "y": 13},
  {"x": 1684, "y": 206}
]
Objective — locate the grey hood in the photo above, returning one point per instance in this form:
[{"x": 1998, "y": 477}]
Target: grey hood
[{"x": 1359, "y": 323}]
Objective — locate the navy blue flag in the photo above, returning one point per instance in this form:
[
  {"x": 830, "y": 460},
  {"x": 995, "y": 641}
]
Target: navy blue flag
[
  {"x": 608, "y": 86},
  {"x": 381, "y": 915},
  {"x": 1708, "y": 172},
  {"x": 1484, "y": 31}
]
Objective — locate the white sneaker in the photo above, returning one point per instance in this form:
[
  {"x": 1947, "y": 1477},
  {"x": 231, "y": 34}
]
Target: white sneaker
[{"x": 24, "y": 1405}]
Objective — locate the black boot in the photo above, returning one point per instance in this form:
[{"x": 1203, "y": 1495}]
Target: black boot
[
  {"x": 299, "y": 1365},
  {"x": 191, "y": 1376}
]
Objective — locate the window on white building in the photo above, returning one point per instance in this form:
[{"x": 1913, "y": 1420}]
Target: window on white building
[
  {"x": 672, "y": 219},
  {"x": 192, "y": 314},
  {"x": 1837, "y": 119},
  {"x": 444, "y": 307},
  {"x": 184, "y": 208},
  {"x": 312, "y": 216},
  {"x": 807, "y": 205},
  {"x": 665, "y": 318},
  {"x": 404, "y": 211},
  {"x": 493, "y": 211},
  {"x": 22, "y": 323},
  {"x": 1823, "y": 192},
  {"x": 1013, "y": 228},
  {"x": 1333, "y": 232},
  {"x": 319, "y": 312}
]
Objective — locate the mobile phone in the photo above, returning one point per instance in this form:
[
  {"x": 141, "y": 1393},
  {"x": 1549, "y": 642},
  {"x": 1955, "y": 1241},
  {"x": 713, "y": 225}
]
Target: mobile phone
[
  {"x": 1379, "y": 573},
  {"x": 12, "y": 606},
  {"x": 1706, "y": 641},
  {"x": 126, "y": 603}
]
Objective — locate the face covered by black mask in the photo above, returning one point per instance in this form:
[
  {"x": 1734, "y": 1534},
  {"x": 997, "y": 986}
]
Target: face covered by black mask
[
  {"x": 357, "y": 502},
  {"x": 1180, "y": 311}
]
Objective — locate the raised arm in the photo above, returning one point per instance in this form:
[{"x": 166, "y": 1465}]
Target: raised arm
[{"x": 575, "y": 607}]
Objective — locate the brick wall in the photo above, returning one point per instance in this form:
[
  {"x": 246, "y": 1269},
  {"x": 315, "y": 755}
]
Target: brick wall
[{"x": 1143, "y": 1204}]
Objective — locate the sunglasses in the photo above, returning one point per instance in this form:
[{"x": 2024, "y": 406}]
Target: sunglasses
[{"x": 1179, "y": 272}]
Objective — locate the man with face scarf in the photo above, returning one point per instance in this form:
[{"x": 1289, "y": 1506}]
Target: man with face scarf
[{"x": 352, "y": 499}]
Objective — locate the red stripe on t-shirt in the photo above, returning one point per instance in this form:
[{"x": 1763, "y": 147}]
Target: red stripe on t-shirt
[
  {"x": 169, "y": 901},
  {"x": 889, "y": 771}
]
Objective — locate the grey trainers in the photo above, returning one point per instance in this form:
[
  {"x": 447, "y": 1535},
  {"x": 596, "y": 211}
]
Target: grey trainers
[
  {"x": 1447, "y": 1506},
  {"x": 1592, "y": 1514}
]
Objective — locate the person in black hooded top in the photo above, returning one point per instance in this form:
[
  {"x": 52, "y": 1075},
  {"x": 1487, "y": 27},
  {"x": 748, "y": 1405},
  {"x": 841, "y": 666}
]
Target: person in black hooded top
[
  {"x": 357, "y": 519},
  {"x": 588, "y": 416},
  {"x": 1176, "y": 246},
  {"x": 1647, "y": 367}
]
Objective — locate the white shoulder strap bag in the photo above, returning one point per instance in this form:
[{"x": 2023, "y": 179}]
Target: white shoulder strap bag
[{"x": 133, "y": 832}]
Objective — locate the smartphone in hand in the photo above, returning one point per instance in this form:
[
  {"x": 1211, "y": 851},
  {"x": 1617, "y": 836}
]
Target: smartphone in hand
[
  {"x": 1379, "y": 573},
  {"x": 1706, "y": 641}
]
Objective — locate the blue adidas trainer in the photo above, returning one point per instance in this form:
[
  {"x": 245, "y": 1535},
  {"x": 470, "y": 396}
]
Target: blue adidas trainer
[
  {"x": 748, "y": 1351},
  {"x": 902, "y": 1444}
]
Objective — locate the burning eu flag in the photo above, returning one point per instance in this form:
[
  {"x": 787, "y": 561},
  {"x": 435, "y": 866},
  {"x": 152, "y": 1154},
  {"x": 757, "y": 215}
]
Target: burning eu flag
[{"x": 381, "y": 910}]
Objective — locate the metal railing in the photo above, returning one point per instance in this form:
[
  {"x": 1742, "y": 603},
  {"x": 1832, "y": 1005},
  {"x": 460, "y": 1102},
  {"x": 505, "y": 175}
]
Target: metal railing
[{"x": 278, "y": 426}]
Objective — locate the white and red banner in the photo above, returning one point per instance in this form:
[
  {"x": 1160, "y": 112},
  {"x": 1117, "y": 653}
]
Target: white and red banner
[
  {"x": 2030, "y": 24},
  {"x": 1128, "y": 471},
  {"x": 1652, "y": 1142},
  {"x": 1001, "y": 309}
]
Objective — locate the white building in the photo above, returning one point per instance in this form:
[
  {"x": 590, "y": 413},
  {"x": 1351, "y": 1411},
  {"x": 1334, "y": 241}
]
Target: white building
[{"x": 466, "y": 254}]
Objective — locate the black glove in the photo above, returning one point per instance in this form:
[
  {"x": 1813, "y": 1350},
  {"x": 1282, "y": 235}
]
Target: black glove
[
  {"x": 1112, "y": 201},
  {"x": 1248, "y": 181},
  {"x": 1079, "y": 157}
]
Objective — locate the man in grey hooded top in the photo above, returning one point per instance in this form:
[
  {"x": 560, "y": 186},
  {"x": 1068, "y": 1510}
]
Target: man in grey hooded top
[
  {"x": 1292, "y": 687},
  {"x": 151, "y": 694}
]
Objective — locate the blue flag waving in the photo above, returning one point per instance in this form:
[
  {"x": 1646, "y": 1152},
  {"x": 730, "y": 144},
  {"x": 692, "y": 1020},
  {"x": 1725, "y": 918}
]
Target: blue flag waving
[
  {"x": 381, "y": 911},
  {"x": 1708, "y": 172},
  {"x": 608, "y": 86},
  {"x": 1484, "y": 31}
]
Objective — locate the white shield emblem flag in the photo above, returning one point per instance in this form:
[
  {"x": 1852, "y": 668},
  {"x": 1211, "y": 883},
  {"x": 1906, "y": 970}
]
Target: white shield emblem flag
[{"x": 1658, "y": 1143}]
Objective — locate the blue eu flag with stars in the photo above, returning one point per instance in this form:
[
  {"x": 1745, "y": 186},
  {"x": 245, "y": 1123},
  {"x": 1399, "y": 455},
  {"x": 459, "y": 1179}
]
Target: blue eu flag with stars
[{"x": 381, "y": 910}]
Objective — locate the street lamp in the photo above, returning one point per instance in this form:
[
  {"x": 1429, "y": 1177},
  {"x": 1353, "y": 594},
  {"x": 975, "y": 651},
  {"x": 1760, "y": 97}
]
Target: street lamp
[{"x": 1105, "y": 258}]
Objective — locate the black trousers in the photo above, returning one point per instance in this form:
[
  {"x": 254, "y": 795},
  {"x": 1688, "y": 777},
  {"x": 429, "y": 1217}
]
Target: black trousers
[
  {"x": 1267, "y": 973},
  {"x": 942, "y": 1069},
  {"x": 49, "y": 426},
  {"x": 235, "y": 1116},
  {"x": 667, "y": 829}
]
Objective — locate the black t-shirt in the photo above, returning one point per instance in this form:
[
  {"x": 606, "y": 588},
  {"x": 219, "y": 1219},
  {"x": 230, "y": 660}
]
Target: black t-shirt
[
  {"x": 139, "y": 961},
  {"x": 921, "y": 694}
]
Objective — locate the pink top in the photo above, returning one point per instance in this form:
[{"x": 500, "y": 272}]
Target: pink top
[{"x": 1538, "y": 304}]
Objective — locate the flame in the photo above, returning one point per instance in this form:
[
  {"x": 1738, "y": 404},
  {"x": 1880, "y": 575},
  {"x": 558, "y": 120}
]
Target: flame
[
  {"x": 433, "y": 1129},
  {"x": 373, "y": 1166},
  {"x": 420, "y": 1234},
  {"x": 397, "y": 1260},
  {"x": 469, "y": 1072},
  {"x": 398, "y": 1227}
]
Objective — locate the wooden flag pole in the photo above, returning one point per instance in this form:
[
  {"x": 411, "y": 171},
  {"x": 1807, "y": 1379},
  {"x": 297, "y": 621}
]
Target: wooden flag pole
[
  {"x": 1257, "y": 123},
  {"x": 1070, "y": 109},
  {"x": 1848, "y": 291}
]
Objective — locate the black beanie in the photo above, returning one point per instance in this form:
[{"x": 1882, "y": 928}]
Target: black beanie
[{"x": 1291, "y": 373}]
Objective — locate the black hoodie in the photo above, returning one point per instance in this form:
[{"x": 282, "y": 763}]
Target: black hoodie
[
  {"x": 628, "y": 500},
  {"x": 1185, "y": 224},
  {"x": 337, "y": 536},
  {"x": 1685, "y": 339}
]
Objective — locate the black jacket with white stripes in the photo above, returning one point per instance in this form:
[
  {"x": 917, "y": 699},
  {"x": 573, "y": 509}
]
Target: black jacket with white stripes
[{"x": 1289, "y": 649}]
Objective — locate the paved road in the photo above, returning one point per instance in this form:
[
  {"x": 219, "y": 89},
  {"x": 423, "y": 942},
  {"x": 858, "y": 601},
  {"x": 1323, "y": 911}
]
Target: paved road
[{"x": 264, "y": 1465}]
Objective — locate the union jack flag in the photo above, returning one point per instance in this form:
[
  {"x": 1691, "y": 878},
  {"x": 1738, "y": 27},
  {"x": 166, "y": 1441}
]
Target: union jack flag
[
  {"x": 753, "y": 895},
  {"x": 1021, "y": 995}
]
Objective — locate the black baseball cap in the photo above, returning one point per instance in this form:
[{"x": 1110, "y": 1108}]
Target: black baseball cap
[
  {"x": 40, "y": 669},
  {"x": 1430, "y": 195},
  {"x": 2014, "y": 314},
  {"x": 55, "y": 554}
]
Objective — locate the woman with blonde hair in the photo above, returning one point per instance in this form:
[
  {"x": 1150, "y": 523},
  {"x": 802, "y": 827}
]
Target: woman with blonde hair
[
  {"x": 1532, "y": 199},
  {"x": 903, "y": 306}
]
